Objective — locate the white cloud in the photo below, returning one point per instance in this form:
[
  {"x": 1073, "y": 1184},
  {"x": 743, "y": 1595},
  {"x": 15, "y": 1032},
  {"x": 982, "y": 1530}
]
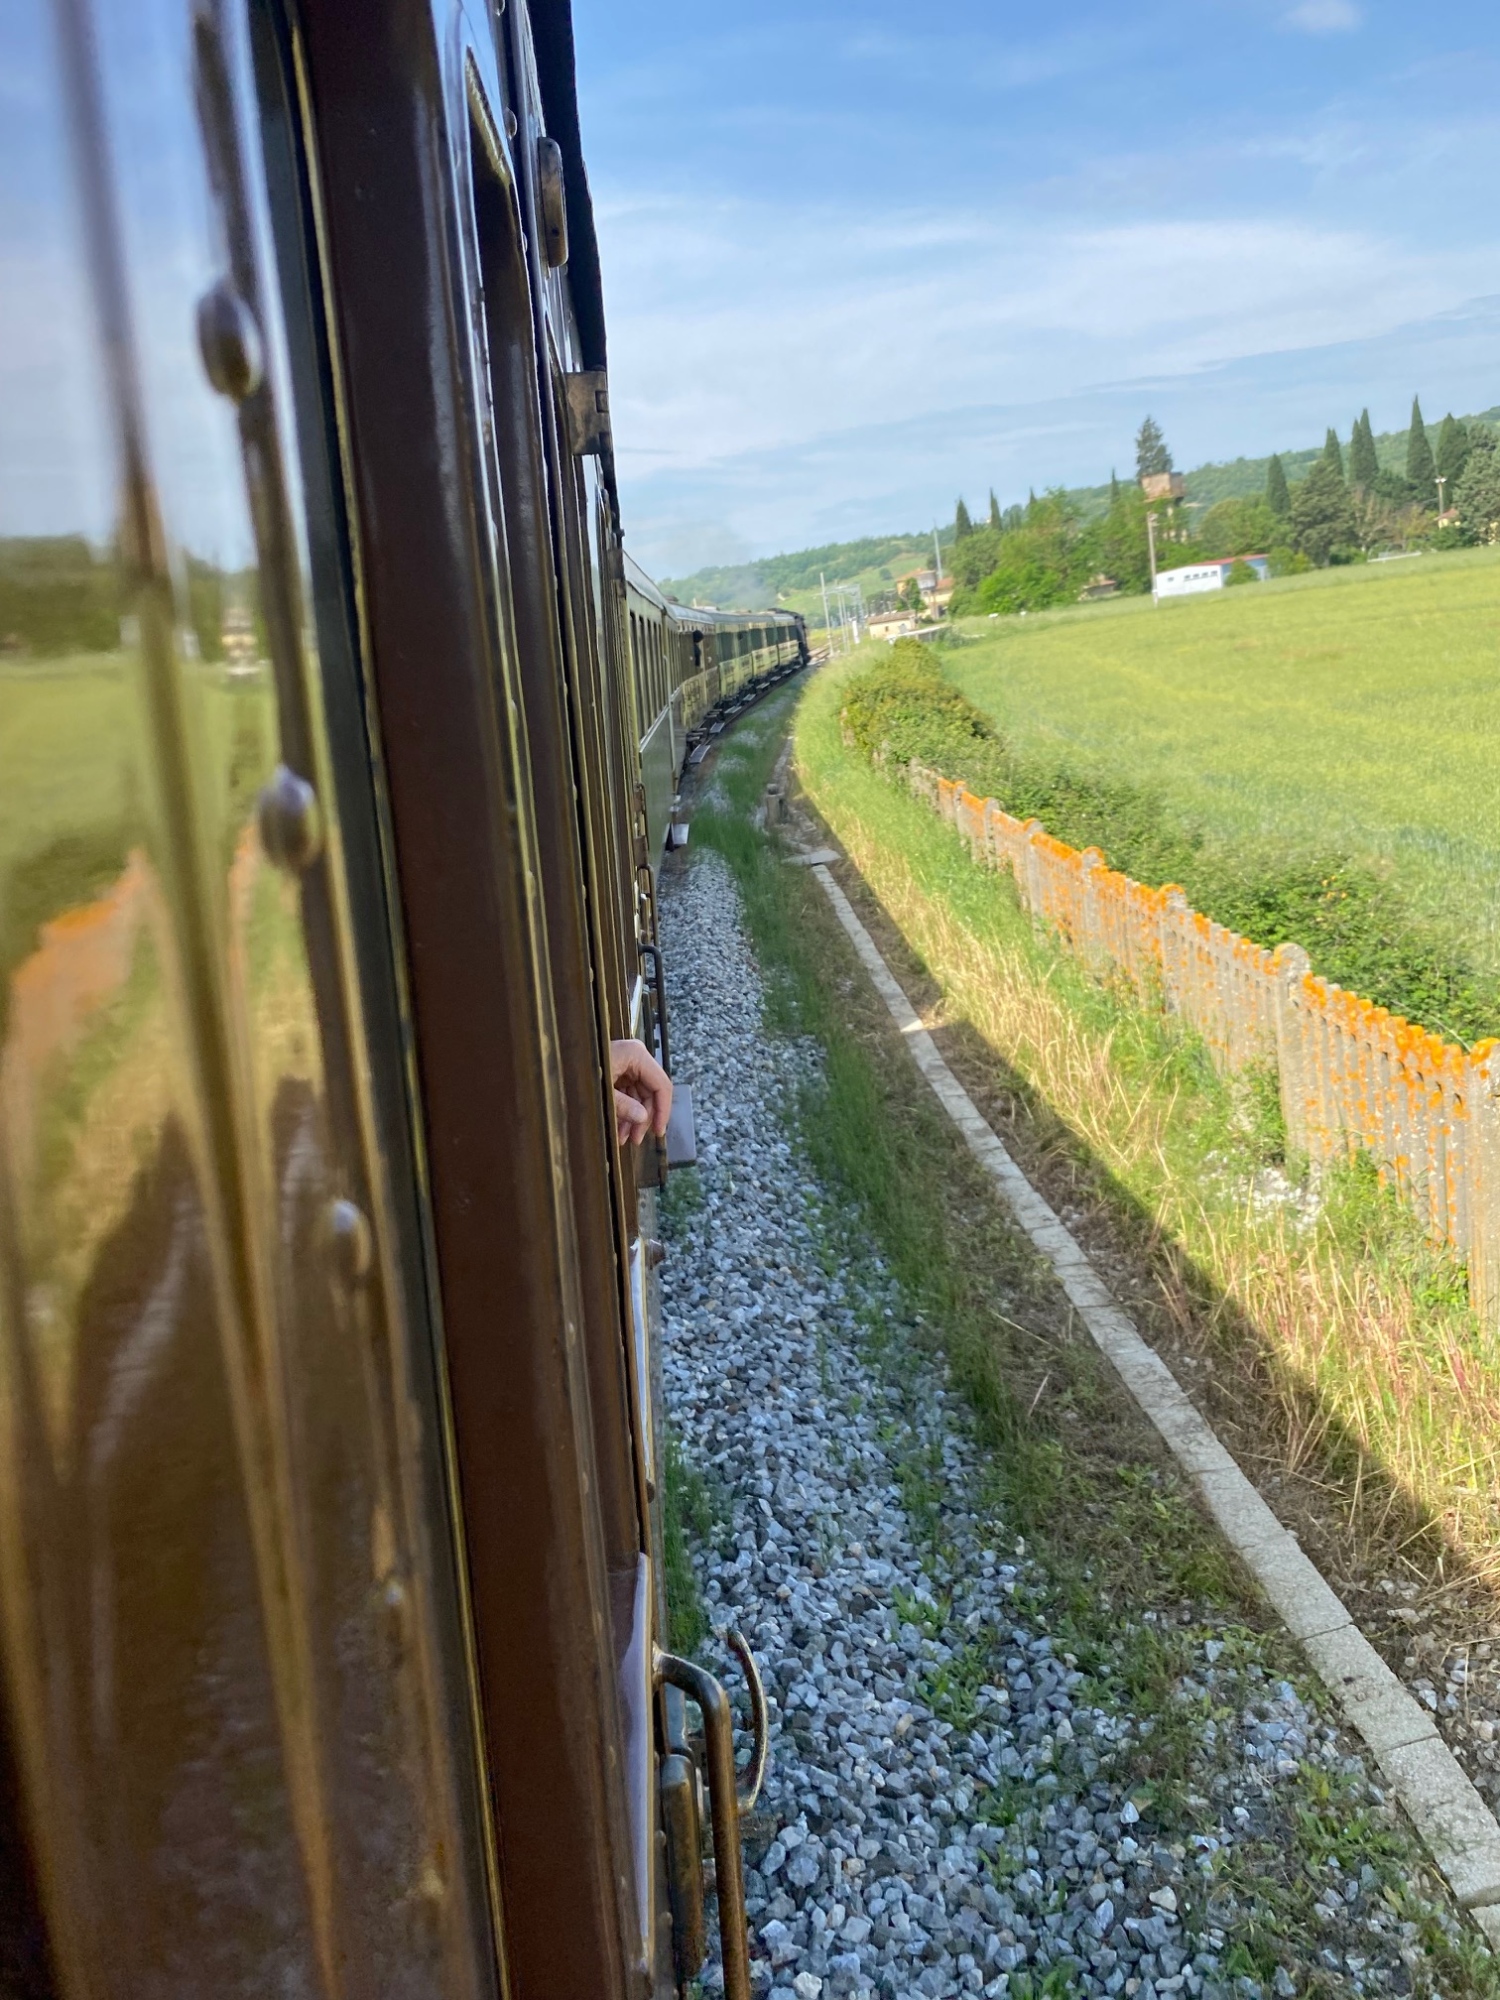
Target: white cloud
[
  {"x": 1325, "y": 17},
  {"x": 868, "y": 322}
]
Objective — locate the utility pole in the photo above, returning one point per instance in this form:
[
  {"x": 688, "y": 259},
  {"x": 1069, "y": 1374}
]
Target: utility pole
[
  {"x": 937, "y": 559},
  {"x": 1151, "y": 545},
  {"x": 827, "y": 622},
  {"x": 1442, "y": 481}
]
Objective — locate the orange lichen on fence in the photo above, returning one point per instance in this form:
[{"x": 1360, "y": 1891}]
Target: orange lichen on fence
[{"x": 1352, "y": 1076}]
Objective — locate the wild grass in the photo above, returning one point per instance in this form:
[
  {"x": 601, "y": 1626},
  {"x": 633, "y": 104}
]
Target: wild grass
[
  {"x": 1351, "y": 710},
  {"x": 1371, "y": 1376},
  {"x": 1066, "y": 1464},
  {"x": 690, "y": 1520}
]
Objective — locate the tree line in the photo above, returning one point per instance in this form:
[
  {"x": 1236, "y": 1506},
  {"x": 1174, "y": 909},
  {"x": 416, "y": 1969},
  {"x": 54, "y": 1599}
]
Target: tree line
[{"x": 1347, "y": 508}]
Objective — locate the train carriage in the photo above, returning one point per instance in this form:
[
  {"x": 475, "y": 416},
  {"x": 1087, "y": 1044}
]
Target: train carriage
[
  {"x": 689, "y": 663},
  {"x": 338, "y": 744}
]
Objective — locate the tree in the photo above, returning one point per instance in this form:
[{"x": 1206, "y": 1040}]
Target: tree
[
  {"x": 1396, "y": 489},
  {"x": 1114, "y": 489},
  {"x": 974, "y": 557},
  {"x": 1322, "y": 517},
  {"x": 1363, "y": 464},
  {"x": 1453, "y": 447},
  {"x": 1420, "y": 469},
  {"x": 1383, "y": 523},
  {"x": 1278, "y": 494},
  {"x": 1478, "y": 496},
  {"x": 994, "y": 511},
  {"x": 1332, "y": 452},
  {"x": 1045, "y": 562},
  {"x": 1151, "y": 453},
  {"x": 1239, "y": 528},
  {"x": 962, "y": 525},
  {"x": 1116, "y": 545}
]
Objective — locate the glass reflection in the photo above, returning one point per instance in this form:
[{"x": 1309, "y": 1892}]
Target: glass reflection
[{"x": 220, "y": 1702}]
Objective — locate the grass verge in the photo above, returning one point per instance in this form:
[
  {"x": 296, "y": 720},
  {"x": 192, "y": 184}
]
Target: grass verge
[
  {"x": 1332, "y": 1344},
  {"x": 1139, "y": 1577},
  {"x": 1346, "y": 909}
]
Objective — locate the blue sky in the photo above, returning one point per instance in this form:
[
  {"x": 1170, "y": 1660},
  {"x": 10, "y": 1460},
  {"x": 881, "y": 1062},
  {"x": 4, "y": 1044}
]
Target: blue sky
[{"x": 855, "y": 263}]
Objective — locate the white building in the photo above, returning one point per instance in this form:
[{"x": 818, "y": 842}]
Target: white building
[{"x": 1193, "y": 577}]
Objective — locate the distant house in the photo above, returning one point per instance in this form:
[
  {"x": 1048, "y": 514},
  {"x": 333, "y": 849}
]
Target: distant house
[
  {"x": 1098, "y": 586},
  {"x": 934, "y": 590},
  {"x": 1193, "y": 577},
  {"x": 899, "y": 624}
]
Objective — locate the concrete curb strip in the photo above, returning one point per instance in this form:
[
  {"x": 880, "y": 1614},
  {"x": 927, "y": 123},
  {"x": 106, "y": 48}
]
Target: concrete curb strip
[{"x": 1459, "y": 1829}]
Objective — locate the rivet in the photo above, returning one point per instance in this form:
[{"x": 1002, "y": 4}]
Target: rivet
[
  {"x": 229, "y": 341},
  {"x": 291, "y": 830},
  {"x": 511, "y": 127},
  {"x": 349, "y": 1238}
]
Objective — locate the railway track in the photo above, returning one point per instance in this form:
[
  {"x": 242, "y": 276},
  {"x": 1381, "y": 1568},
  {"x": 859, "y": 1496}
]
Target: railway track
[{"x": 954, "y": 1804}]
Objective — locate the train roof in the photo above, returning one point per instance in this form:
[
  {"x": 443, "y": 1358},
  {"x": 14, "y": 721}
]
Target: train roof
[{"x": 699, "y": 614}]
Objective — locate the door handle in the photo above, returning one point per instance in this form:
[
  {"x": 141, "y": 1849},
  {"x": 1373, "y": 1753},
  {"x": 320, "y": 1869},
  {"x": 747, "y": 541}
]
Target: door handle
[
  {"x": 750, "y": 1780},
  {"x": 659, "y": 988},
  {"x": 708, "y": 1695}
]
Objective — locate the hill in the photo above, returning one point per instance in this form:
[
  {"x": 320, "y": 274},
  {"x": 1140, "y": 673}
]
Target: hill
[{"x": 876, "y": 560}]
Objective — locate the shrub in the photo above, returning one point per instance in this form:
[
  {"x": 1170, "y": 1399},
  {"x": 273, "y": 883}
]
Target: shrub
[{"x": 1349, "y": 915}]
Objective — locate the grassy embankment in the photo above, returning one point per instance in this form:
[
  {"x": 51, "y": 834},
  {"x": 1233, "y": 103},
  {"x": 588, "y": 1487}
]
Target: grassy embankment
[
  {"x": 1140, "y": 1576},
  {"x": 1347, "y": 714},
  {"x": 1339, "y": 1349}
]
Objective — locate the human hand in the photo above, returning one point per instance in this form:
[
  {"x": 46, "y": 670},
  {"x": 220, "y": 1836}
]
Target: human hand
[{"x": 643, "y": 1092}]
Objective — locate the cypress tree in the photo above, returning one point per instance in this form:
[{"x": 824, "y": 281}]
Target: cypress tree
[
  {"x": 1453, "y": 448},
  {"x": 1332, "y": 452},
  {"x": 1278, "y": 494},
  {"x": 1322, "y": 514},
  {"x": 1151, "y": 453},
  {"x": 962, "y": 525},
  {"x": 1420, "y": 468},
  {"x": 1363, "y": 464},
  {"x": 1114, "y": 490},
  {"x": 994, "y": 509}
]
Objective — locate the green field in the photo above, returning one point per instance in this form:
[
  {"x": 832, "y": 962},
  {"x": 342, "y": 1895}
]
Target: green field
[{"x": 1355, "y": 710}]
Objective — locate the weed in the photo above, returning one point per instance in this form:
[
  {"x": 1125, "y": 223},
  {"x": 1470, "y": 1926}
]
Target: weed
[{"x": 689, "y": 1519}]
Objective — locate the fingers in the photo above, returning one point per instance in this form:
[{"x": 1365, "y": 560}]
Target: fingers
[
  {"x": 645, "y": 1081},
  {"x": 632, "y": 1119}
]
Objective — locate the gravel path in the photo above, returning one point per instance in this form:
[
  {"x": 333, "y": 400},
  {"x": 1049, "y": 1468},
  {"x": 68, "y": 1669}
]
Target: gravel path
[{"x": 949, "y": 1805}]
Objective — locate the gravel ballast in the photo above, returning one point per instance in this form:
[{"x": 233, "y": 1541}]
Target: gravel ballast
[{"x": 952, "y": 1805}]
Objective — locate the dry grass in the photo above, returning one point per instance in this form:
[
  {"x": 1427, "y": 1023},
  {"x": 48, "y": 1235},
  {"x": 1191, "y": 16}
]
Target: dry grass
[{"x": 1370, "y": 1390}]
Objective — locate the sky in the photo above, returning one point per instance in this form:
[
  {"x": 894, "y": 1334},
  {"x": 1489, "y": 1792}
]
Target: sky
[{"x": 859, "y": 259}]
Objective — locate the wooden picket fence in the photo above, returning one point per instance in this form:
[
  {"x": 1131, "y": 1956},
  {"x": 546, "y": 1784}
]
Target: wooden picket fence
[{"x": 1352, "y": 1076}]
